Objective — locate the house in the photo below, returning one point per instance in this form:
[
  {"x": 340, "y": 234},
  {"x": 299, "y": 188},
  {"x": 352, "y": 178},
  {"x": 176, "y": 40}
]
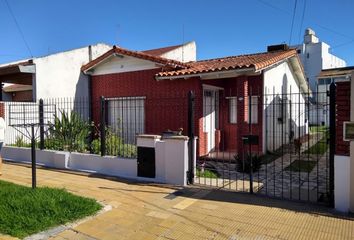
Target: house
[
  {"x": 56, "y": 75},
  {"x": 17, "y": 93},
  {"x": 325, "y": 78},
  {"x": 315, "y": 55},
  {"x": 147, "y": 93}
]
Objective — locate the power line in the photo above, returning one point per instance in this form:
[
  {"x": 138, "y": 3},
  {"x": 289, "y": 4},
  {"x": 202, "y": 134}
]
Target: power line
[
  {"x": 292, "y": 22},
  {"x": 315, "y": 23},
  {"x": 18, "y": 28},
  {"x": 302, "y": 20}
]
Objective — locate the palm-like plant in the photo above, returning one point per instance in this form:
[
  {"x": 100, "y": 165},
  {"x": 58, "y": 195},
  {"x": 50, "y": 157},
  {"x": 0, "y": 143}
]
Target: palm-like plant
[{"x": 70, "y": 131}]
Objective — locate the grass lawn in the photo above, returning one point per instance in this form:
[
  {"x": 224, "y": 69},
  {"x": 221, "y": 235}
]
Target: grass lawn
[
  {"x": 321, "y": 146},
  {"x": 270, "y": 157},
  {"x": 315, "y": 129},
  {"x": 206, "y": 174},
  {"x": 24, "y": 211},
  {"x": 301, "y": 166}
]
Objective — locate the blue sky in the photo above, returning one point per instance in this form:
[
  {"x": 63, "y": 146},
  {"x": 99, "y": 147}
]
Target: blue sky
[{"x": 220, "y": 27}]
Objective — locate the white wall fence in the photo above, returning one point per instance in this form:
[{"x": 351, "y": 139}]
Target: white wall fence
[{"x": 171, "y": 160}]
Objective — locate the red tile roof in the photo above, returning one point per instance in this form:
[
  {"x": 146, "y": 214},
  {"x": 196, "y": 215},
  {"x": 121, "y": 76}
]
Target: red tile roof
[
  {"x": 137, "y": 54},
  {"x": 161, "y": 51},
  {"x": 257, "y": 61}
]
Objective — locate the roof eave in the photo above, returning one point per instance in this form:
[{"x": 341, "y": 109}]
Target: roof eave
[{"x": 211, "y": 75}]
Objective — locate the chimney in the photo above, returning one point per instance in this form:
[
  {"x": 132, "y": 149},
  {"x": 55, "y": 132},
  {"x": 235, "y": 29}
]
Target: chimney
[
  {"x": 310, "y": 36},
  {"x": 278, "y": 47},
  {"x": 90, "y": 53}
]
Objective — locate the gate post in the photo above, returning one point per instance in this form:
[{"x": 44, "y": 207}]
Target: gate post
[
  {"x": 103, "y": 125},
  {"x": 191, "y": 150},
  {"x": 249, "y": 143},
  {"x": 332, "y": 139},
  {"x": 41, "y": 124}
]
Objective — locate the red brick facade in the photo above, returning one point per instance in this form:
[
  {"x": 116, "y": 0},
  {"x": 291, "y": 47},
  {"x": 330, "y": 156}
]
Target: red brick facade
[
  {"x": 22, "y": 96},
  {"x": 166, "y": 104},
  {"x": 343, "y": 114}
]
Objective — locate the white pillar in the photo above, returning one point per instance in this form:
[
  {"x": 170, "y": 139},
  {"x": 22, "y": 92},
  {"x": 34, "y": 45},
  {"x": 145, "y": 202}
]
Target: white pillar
[
  {"x": 176, "y": 160},
  {"x": 351, "y": 167}
]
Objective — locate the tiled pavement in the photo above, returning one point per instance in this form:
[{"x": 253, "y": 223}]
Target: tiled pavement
[{"x": 144, "y": 211}]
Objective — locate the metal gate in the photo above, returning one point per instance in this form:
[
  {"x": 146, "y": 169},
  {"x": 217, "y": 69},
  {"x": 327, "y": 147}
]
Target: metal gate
[{"x": 278, "y": 145}]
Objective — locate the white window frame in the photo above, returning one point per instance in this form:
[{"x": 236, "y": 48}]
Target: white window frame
[
  {"x": 118, "y": 108},
  {"x": 254, "y": 109},
  {"x": 232, "y": 109}
]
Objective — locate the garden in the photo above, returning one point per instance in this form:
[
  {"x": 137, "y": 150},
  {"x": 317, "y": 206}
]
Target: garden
[{"x": 69, "y": 132}]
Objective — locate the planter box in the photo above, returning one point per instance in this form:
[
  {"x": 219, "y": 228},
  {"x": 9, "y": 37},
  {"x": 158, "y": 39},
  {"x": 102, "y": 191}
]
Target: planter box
[{"x": 47, "y": 158}]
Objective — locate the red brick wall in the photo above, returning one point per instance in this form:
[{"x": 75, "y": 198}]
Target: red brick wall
[
  {"x": 343, "y": 114},
  {"x": 22, "y": 96},
  {"x": 2, "y": 110},
  {"x": 166, "y": 104},
  {"x": 231, "y": 134}
]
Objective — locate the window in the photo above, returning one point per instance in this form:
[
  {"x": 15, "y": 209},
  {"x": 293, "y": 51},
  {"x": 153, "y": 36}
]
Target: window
[
  {"x": 298, "y": 51},
  {"x": 126, "y": 117},
  {"x": 254, "y": 109},
  {"x": 233, "y": 110}
]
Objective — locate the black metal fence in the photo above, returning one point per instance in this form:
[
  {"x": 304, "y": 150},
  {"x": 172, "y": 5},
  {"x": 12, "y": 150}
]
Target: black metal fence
[
  {"x": 265, "y": 144},
  {"x": 107, "y": 126}
]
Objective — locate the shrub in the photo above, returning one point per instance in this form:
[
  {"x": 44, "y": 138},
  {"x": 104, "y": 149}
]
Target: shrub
[
  {"x": 244, "y": 165},
  {"x": 69, "y": 132},
  {"x": 115, "y": 146},
  {"x": 19, "y": 142}
]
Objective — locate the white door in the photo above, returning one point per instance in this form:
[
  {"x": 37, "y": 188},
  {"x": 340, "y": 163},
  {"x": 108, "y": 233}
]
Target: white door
[{"x": 210, "y": 116}]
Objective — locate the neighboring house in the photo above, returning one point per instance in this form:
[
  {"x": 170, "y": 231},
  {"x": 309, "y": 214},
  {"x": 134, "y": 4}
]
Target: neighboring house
[
  {"x": 17, "y": 93},
  {"x": 57, "y": 75},
  {"x": 325, "y": 78},
  {"x": 137, "y": 83},
  {"x": 315, "y": 56}
]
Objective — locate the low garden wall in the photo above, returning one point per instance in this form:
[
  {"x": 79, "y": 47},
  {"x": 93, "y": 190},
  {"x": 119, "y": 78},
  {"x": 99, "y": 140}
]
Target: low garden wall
[
  {"x": 123, "y": 167},
  {"x": 171, "y": 160},
  {"x": 49, "y": 158}
]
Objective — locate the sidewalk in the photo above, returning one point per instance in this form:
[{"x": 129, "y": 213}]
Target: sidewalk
[{"x": 144, "y": 211}]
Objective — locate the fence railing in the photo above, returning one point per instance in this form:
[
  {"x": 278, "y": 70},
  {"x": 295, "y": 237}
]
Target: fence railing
[{"x": 106, "y": 126}]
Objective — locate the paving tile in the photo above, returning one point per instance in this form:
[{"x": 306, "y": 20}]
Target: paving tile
[{"x": 141, "y": 211}]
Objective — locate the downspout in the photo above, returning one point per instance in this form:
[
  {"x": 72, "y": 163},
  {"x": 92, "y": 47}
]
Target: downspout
[{"x": 89, "y": 79}]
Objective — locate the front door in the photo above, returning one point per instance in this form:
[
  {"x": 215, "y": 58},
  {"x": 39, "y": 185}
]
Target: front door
[{"x": 210, "y": 116}]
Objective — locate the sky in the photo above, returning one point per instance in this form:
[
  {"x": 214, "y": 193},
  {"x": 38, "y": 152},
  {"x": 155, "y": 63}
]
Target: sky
[{"x": 219, "y": 27}]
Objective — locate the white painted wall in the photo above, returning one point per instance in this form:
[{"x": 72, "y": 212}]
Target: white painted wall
[
  {"x": 342, "y": 183},
  {"x": 277, "y": 80},
  {"x": 315, "y": 56},
  {"x": 122, "y": 63},
  {"x": 48, "y": 158},
  {"x": 59, "y": 75},
  {"x": 186, "y": 53}
]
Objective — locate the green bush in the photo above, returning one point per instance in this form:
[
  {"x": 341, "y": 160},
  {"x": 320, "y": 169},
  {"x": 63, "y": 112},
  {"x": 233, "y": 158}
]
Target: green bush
[
  {"x": 244, "y": 165},
  {"x": 19, "y": 142},
  {"x": 69, "y": 133},
  {"x": 115, "y": 146}
]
